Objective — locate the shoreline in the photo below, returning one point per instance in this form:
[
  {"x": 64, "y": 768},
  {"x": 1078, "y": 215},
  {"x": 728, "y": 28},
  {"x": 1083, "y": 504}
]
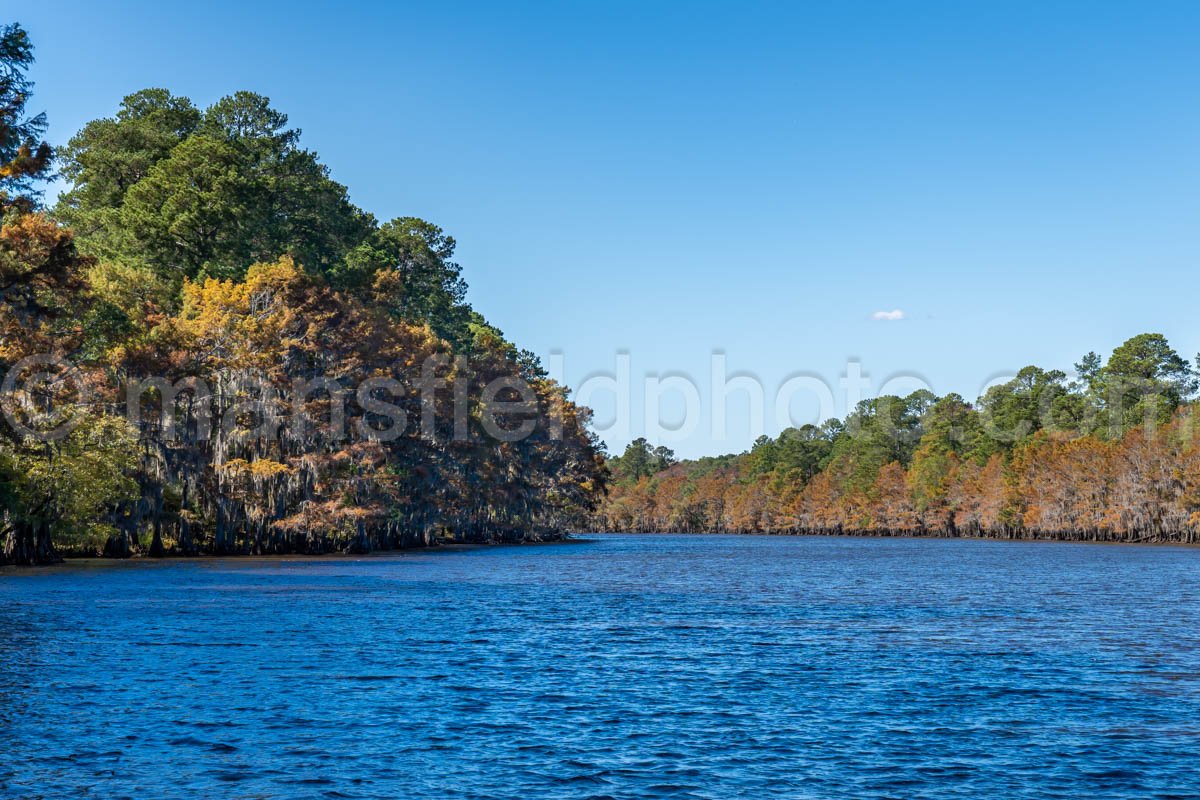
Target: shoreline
[
  {"x": 100, "y": 561},
  {"x": 909, "y": 536},
  {"x": 170, "y": 558}
]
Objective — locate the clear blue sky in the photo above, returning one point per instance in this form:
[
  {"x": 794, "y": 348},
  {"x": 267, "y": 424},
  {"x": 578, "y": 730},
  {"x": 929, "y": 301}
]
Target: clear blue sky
[{"x": 1021, "y": 180}]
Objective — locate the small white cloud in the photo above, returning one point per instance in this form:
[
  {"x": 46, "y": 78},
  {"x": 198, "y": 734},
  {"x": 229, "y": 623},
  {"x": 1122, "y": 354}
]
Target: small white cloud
[{"x": 888, "y": 316}]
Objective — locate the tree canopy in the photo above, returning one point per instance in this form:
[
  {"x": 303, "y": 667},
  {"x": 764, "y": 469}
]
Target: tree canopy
[
  {"x": 214, "y": 351},
  {"x": 24, "y": 155},
  {"x": 194, "y": 193},
  {"x": 1111, "y": 456}
]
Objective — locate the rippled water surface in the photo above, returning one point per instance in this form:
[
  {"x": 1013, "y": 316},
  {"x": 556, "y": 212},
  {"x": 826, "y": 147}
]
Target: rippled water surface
[{"x": 624, "y": 666}]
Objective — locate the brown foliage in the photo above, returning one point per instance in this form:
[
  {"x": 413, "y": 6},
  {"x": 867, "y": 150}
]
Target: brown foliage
[{"x": 1143, "y": 487}]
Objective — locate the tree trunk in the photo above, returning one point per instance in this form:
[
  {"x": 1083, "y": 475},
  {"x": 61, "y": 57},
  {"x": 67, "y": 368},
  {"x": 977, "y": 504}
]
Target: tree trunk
[
  {"x": 156, "y": 545},
  {"x": 362, "y": 542},
  {"x": 18, "y": 545},
  {"x": 118, "y": 545},
  {"x": 44, "y": 552},
  {"x": 29, "y": 544}
]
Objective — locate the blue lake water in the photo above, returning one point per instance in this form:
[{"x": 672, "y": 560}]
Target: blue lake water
[{"x": 623, "y": 667}]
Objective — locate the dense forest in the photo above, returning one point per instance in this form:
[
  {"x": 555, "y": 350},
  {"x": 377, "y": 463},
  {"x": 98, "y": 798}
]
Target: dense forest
[
  {"x": 208, "y": 348},
  {"x": 1109, "y": 455}
]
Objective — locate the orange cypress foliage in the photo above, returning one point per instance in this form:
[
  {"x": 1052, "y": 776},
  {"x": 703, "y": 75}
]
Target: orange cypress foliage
[
  {"x": 41, "y": 278},
  {"x": 890, "y": 508},
  {"x": 979, "y": 497}
]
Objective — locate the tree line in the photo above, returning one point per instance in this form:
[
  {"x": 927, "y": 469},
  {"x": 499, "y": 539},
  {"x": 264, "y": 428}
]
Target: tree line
[
  {"x": 1110, "y": 454},
  {"x": 200, "y": 261}
]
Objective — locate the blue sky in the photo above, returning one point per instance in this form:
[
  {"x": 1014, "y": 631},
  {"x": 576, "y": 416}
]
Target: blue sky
[{"x": 1022, "y": 181}]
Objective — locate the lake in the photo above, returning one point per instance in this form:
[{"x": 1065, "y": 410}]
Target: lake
[{"x": 620, "y": 666}]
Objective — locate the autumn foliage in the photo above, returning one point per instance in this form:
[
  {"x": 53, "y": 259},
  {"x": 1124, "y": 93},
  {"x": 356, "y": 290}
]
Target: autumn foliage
[
  {"x": 211, "y": 350},
  {"x": 1038, "y": 458}
]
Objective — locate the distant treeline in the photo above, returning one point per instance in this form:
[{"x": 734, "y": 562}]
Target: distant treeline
[
  {"x": 200, "y": 265},
  {"x": 1110, "y": 455}
]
